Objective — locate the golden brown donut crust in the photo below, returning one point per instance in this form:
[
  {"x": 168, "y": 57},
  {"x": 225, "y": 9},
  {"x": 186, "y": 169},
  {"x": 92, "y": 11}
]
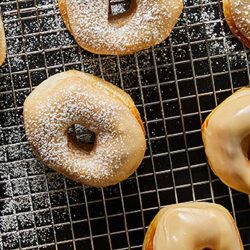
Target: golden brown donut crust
[
  {"x": 63, "y": 10},
  {"x": 75, "y": 97},
  {"x": 148, "y": 243},
  {"x": 235, "y": 29},
  {"x": 2, "y": 42},
  {"x": 149, "y": 237},
  {"x": 123, "y": 34}
]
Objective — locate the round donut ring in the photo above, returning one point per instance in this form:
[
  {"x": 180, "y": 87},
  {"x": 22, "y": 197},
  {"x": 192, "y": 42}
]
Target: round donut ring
[
  {"x": 226, "y": 136},
  {"x": 74, "y": 97},
  {"x": 2, "y": 42},
  {"x": 197, "y": 225},
  {"x": 237, "y": 14},
  {"x": 147, "y": 23}
]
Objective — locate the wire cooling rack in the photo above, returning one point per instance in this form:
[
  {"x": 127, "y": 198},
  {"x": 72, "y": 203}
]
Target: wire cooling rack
[{"x": 175, "y": 85}]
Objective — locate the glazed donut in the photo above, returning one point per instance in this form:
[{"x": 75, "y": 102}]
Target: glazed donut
[
  {"x": 75, "y": 97},
  {"x": 147, "y": 23},
  {"x": 2, "y": 42},
  {"x": 188, "y": 226},
  {"x": 226, "y": 136},
  {"x": 237, "y": 14}
]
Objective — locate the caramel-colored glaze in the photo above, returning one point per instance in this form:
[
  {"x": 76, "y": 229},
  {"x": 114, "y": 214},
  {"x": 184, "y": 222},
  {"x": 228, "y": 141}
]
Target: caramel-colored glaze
[
  {"x": 75, "y": 97},
  {"x": 189, "y": 226},
  {"x": 238, "y": 19},
  {"x": 2, "y": 42},
  {"x": 145, "y": 24},
  {"x": 225, "y": 134}
]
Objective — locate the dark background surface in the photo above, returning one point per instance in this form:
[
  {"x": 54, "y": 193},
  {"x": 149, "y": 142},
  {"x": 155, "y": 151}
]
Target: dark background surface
[{"x": 175, "y": 85}]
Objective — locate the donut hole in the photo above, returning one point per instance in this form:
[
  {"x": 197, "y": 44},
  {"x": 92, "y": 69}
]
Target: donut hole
[
  {"x": 245, "y": 145},
  {"x": 121, "y": 11},
  {"x": 81, "y": 137}
]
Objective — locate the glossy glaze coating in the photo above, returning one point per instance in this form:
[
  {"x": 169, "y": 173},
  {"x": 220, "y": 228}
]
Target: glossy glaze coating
[
  {"x": 226, "y": 138},
  {"x": 193, "y": 226}
]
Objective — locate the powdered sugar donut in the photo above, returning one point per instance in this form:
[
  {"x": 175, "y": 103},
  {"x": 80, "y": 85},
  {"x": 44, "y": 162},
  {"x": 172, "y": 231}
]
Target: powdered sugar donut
[
  {"x": 77, "y": 98},
  {"x": 2, "y": 43},
  {"x": 237, "y": 14},
  {"x": 147, "y": 23}
]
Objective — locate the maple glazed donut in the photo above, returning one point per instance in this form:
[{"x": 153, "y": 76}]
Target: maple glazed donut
[
  {"x": 189, "y": 226},
  {"x": 146, "y": 23},
  {"x": 74, "y": 97},
  {"x": 237, "y": 14},
  {"x": 226, "y": 136},
  {"x": 2, "y": 42}
]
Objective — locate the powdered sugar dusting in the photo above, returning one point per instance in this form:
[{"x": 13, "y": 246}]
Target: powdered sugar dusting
[
  {"x": 211, "y": 28},
  {"x": 149, "y": 25},
  {"x": 71, "y": 104},
  {"x": 240, "y": 10}
]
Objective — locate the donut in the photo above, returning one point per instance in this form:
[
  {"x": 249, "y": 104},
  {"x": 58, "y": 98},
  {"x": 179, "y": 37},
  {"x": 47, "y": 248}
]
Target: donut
[
  {"x": 226, "y": 137},
  {"x": 146, "y": 23},
  {"x": 197, "y": 225},
  {"x": 237, "y": 14},
  {"x": 2, "y": 42},
  {"x": 75, "y": 97}
]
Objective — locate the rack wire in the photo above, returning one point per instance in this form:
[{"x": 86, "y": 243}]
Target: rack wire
[{"x": 175, "y": 85}]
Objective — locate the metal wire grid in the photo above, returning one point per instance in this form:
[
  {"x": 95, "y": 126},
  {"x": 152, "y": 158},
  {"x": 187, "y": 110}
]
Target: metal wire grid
[{"x": 175, "y": 85}]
